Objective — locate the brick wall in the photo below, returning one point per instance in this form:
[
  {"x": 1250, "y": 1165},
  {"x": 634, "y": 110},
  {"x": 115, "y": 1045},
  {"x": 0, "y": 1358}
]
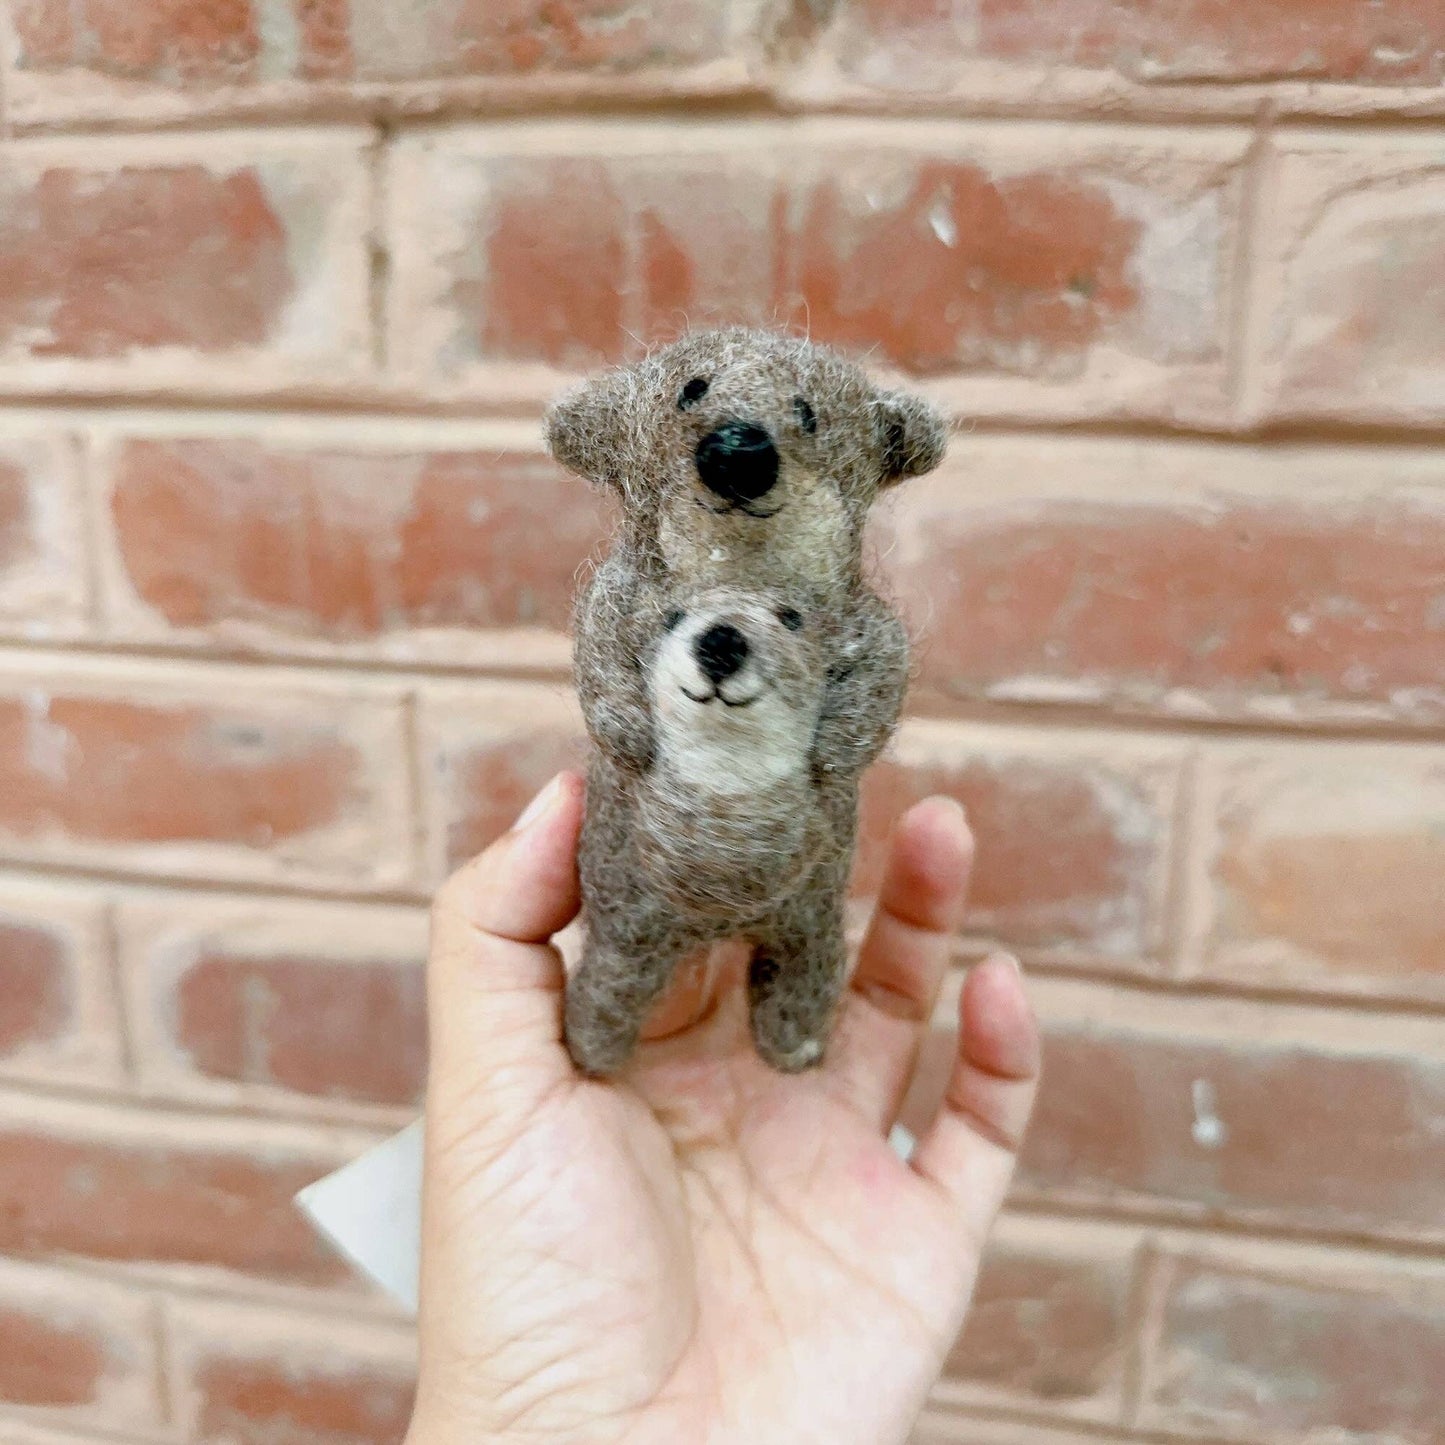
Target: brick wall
[{"x": 283, "y": 573}]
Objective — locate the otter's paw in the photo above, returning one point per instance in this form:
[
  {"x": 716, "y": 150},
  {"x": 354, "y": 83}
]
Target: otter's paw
[
  {"x": 789, "y": 1056},
  {"x": 803, "y": 1057}
]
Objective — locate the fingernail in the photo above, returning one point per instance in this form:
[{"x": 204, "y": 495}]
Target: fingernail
[
  {"x": 539, "y": 806},
  {"x": 1012, "y": 962},
  {"x": 947, "y": 800}
]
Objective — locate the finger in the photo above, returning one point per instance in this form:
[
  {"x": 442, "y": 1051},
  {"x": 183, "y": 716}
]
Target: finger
[
  {"x": 696, "y": 989},
  {"x": 904, "y": 957},
  {"x": 494, "y": 980},
  {"x": 970, "y": 1148}
]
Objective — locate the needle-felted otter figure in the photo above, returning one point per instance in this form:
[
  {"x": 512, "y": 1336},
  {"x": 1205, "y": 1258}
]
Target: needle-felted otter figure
[{"x": 736, "y": 672}]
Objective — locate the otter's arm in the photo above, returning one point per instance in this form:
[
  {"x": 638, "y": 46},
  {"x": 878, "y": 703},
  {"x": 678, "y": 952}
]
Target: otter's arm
[
  {"x": 866, "y": 683},
  {"x": 607, "y": 664}
]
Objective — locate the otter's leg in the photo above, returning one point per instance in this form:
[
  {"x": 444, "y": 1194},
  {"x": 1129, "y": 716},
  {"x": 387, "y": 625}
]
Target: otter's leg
[
  {"x": 795, "y": 980},
  {"x": 632, "y": 943},
  {"x": 621, "y": 975}
]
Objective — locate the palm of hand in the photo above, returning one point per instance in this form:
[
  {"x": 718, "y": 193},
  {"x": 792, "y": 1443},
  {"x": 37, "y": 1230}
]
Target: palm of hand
[{"x": 709, "y": 1251}]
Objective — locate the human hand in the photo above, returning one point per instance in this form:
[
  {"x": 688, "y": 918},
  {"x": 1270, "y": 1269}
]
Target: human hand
[{"x": 701, "y": 1251}]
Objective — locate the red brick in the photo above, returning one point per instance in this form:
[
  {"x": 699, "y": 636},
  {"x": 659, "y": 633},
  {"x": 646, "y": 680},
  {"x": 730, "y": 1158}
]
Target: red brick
[
  {"x": 282, "y": 1002},
  {"x": 42, "y": 572},
  {"x": 168, "y": 801},
  {"x": 350, "y": 1005},
  {"x": 24, "y": 1432},
  {"x": 58, "y": 1018},
  {"x": 34, "y": 985},
  {"x": 1208, "y": 581},
  {"x": 1267, "y": 1357},
  {"x": 486, "y": 752},
  {"x": 1048, "y": 1325},
  {"x": 1212, "y": 1111},
  {"x": 940, "y": 1428},
  {"x": 1040, "y": 263},
  {"x": 177, "y": 263},
  {"x": 189, "y": 42},
  {"x": 137, "y": 1190},
  {"x": 1356, "y": 245},
  {"x": 1072, "y": 842},
  {"x": 1398, "y": 42},
  {"x": 75, "y": 1349},
  {"x": 99, "y": 261},
  {"x": 992, "y": 260},
  {"x": 1327, "y": 871},
  {"x": 245, "y": 779},
  {"x": 249, "y": 1378},
  {"x": 235, "y": 539},
  {"x": 152, "y": 56}
]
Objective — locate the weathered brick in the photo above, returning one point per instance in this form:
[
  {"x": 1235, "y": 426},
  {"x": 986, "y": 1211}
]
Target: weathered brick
[
  {"x": 1354, "y": 245},
  {"x": 74, "y": 1349},
  {"x": 158, "y": 58},
  {"x": 1296, "y": 1360},
  {"x": 29, "y": 1432},
  {"x": 1091, "y": 50},
  {"x": 58, "y": 1020},
  {"x": 179, "y": 263},
  {"x": 1046, "y": 274},
  {"x": 485, "y": 753},
  {"x": 251, "y": 1378},
  {"x": 1326, "y": 870},
  {"x": 42, "y": 568},
  {"x": 397, "y": 547},
  {"x": 1211, "y": 581},
  {"x": 196, "y": 773},
  {"x": 1073, "y": 838},
  {"x": 1049, "y": 1323},
  {"x": 276, "y": 1002},
  {"x": 941, "y": 1427},
  {"x": 209, "y": 1195},
  {"x": 1297, "y": 1120}
]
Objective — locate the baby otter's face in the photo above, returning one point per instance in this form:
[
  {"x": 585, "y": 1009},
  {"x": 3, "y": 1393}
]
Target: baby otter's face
[{"x": 736, "y": 686}]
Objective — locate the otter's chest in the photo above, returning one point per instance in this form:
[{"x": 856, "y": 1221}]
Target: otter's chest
[
  {"x": 728, "y": 853},
  {"x": 728, "y": 808}
]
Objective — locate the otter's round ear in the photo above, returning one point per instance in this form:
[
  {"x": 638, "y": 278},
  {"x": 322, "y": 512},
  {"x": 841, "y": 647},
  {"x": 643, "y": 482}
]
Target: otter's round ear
[
  {"x": 586, "y": 428},
  {"x": 911, "y": 435}
]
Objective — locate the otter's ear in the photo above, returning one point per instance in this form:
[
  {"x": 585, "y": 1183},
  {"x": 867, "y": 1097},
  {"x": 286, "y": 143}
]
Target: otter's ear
[
  {"x": 587, "y": 428},
  {"x": 911, "y": 435}
]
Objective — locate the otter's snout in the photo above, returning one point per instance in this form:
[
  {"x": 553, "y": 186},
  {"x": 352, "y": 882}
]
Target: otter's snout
[
  {"x": 738, "y": 462},
  {"x": 720, "y": 651}
]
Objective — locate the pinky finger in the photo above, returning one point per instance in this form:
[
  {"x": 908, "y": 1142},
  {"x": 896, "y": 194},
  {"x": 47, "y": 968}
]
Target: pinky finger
[{"x": 969, "y": 1150}]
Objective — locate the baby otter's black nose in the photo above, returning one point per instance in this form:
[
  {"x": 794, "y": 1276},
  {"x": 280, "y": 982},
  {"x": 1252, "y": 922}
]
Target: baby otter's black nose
[
  {"x": 720, "y": 651},
  {"x": 738, "y": 462}
]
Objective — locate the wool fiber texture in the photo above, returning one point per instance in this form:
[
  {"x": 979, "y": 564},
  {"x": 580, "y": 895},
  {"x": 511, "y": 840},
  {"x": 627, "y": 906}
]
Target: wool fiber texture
[{"x": 736, "y": 672}]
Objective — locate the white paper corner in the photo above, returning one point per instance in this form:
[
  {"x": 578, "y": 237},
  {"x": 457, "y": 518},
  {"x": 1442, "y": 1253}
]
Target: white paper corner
[{"x": 370, "y": 1210}]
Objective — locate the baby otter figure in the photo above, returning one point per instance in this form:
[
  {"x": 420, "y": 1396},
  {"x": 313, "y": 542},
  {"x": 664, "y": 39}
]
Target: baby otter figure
[{"x": 736, "y": 673}]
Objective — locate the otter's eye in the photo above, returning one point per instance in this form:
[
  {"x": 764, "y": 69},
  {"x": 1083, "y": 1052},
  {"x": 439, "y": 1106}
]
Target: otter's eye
[
  {"x": 672, "y": 619},
  {"x": 791, "y": 618},
  {"x": 807, "y": 418},
  {"x": 692, "y": 393}
]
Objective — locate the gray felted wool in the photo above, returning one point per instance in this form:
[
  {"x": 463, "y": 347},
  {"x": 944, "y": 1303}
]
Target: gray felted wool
[{"x": 736, "y": 672}]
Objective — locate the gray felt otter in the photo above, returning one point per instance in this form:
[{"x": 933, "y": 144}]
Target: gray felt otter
[{"x": 736, "y": 672}]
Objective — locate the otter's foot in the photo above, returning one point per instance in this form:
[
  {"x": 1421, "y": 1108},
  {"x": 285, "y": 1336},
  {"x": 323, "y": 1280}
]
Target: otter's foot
[
  {"x": 608, "y": 998},
  {"x": 792, "y": 997}
]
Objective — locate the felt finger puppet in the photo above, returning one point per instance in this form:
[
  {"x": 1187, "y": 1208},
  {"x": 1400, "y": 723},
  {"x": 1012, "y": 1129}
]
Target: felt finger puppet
[{"x": 736, "y": 672}]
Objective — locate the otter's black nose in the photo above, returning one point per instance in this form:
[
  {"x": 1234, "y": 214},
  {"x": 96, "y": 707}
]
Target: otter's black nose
[
  {"x": 738, "y": 462},
  {"x": 720, "y": 651}
]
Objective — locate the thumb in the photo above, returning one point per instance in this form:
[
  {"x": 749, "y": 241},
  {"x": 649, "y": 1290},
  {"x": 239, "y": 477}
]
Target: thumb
[{"x": 494, "y": 980}]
